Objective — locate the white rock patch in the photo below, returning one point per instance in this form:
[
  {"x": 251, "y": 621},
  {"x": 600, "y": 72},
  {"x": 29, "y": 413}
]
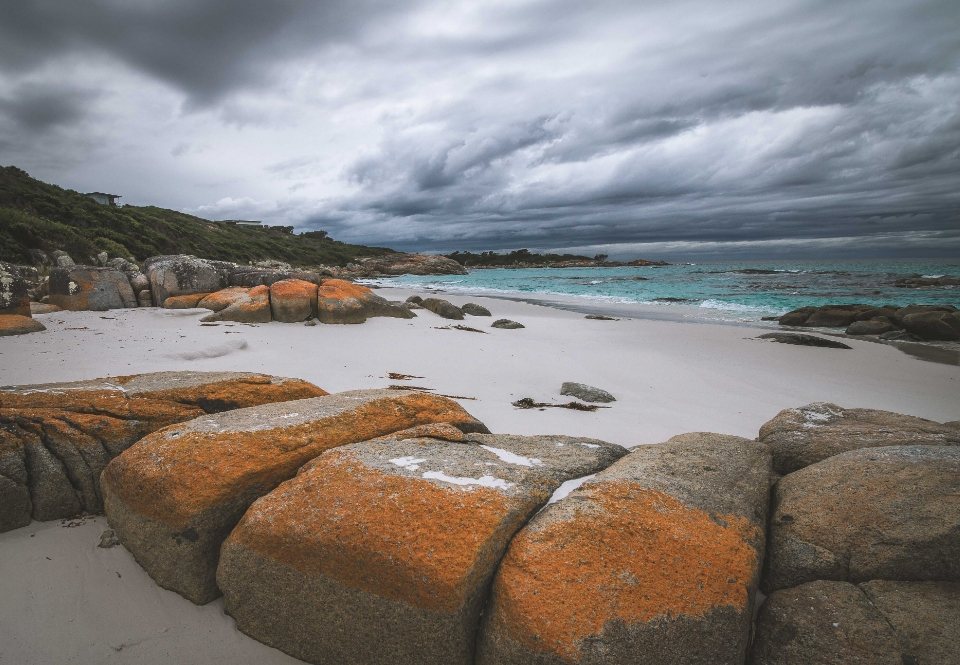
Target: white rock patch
[
  {"x": 409, "y": 462},
  {"x": 513, "y": 458},
  {"x": 483, "y": 481}
]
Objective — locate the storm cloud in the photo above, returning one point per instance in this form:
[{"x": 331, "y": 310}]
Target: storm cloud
[{"x": 631, "y": 128}]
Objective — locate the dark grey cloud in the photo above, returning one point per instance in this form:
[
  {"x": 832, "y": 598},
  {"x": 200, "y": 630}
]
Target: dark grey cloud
[
  {"x": 540, "y": 123},
  {"x": 36, "y": 108},
  {"x": 206, "y": 48}
]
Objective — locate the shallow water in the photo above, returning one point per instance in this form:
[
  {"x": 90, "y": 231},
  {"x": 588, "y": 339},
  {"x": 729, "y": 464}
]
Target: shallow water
[{"x": 742, "y": 291}]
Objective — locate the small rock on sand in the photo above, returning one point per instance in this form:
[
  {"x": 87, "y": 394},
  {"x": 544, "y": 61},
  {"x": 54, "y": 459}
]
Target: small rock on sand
[{"x": 586, "y": 393}]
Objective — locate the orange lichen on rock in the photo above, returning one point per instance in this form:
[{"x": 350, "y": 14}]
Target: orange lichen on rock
[
  {"x": 187, "y": 301},
  {"x": 17, "y": 324},
  {"x": 341, "y": 289},
  {"x": 443, "y": 431},
  {"x": 172, "y": 476},
  {"x": 630, "y": 555},
  {"x": 250, "y": 307},
  {"x": 293, "y": 288},
  {"x": 76, "y": 428},
  {"x": 249, "y": 390},
  {"x": 223, "y": 298},
  {"x": 293, "y": 300},
  {"x": 401, "y": 538}
]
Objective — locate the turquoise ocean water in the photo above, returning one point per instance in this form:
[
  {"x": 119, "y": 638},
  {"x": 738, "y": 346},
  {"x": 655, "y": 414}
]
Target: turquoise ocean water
[{"x": 744, "y": 290}]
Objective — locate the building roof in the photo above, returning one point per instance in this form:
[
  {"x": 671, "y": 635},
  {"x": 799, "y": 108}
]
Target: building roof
[{"x": 113, "y": 196}]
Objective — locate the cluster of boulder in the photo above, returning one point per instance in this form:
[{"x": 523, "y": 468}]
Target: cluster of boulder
[
  {"x": 889, "y": 322},
  {"x": 381, "y": 526},
  {"x": 259, "y": 293},
  {"x": 447, "y": 310}
]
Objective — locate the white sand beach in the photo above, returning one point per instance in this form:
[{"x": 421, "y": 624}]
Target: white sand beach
[{"x": 66, "y": 601}]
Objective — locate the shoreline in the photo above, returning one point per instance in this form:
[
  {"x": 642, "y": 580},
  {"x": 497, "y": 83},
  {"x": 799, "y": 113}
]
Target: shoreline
[
  {"x": 669, "y": 378},
  {"x": 947, "y": 353}
]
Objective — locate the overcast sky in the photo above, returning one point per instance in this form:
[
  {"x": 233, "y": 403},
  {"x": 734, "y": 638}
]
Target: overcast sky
[{"x": 776, "y": 128}]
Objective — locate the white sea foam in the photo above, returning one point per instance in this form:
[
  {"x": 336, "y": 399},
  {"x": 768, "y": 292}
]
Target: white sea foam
[{"x": 735, "y": 306}]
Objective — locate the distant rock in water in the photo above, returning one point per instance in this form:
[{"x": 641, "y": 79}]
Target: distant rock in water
[
  {"x": 402, "y": 264},
  {"x": 920, "y": 282},
  {"x": 927, "y": 322},
  {"x": 803, "y": 340}
]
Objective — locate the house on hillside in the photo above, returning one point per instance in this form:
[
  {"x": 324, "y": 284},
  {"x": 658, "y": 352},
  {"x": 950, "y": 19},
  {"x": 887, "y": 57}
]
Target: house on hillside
[
  {"x": 103, "y": 199},
  {"x": 240, "y": 222}
]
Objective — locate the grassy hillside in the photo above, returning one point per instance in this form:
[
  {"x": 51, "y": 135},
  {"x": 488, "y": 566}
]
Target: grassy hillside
[{"x": 35, "y": 215}]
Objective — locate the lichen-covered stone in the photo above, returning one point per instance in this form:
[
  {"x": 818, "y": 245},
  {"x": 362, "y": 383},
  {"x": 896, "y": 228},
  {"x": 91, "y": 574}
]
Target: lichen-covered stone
[
  {"x": 251, "y": 307},
  {"x": 180, "y": 274},
  {"x": 874, "y": 513},
  {"x": 823, "y": 623},
  {"x": 174, "y": 496},
  {"x": 56, "y": 438},
  {"x": 803, "y": 436},
  {"x": 15, "y": 324},
  {"x": 657, "y": 559},
  {"x": 340, "y": 301},
  {"x": 81, "y": 288},
  {"x": 186, "y": 301},
  {"x": 381, "y": 552},
  {"x": 14, "y": 293},
  {"x": 293, "y": 300},
  {"x": 220, "y": 300}
]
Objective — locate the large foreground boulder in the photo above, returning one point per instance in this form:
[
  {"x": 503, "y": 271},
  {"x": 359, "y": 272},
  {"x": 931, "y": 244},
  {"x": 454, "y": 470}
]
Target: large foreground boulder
[
  {"x": 14, "y": 295},
  {"x": 805, "y": 435},
  {"x": 655, "y": 560},
  {"x": 874, "y": 623},
  {"x": 174, "y": 496},
  {"x": 382, "y": 552},
  {"x": 15, "y": 324},
  {"x": 179, "y": 274},
  {"x": 874, "y": 513},
  {"x": 924, "y": 615},
  {"x": 340, "y": 301},
  {"x": 81, "y": 288},
  {"x": 823, "y": 623},
  {"x": 56, "y": 438}
]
